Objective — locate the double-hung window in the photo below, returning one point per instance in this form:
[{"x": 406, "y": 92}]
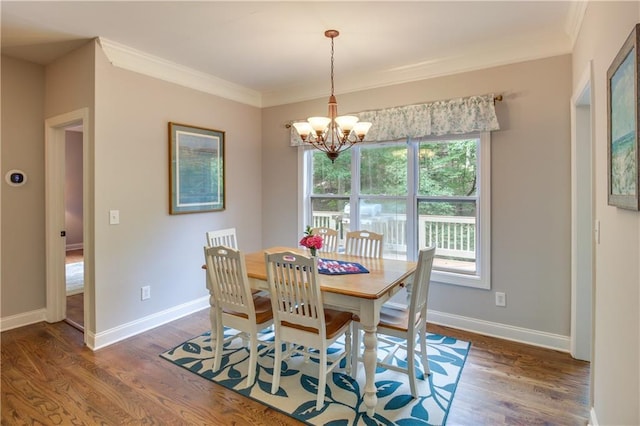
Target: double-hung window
[{"x": 417, "y": 192}]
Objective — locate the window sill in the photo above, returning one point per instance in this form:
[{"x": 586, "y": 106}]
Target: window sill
[{"x": 474, "y": 281}]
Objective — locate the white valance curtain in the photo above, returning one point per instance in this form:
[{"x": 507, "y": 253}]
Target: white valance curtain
[{"x": 450, "y": 117}]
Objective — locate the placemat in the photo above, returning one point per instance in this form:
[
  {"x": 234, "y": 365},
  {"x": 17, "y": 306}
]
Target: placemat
[{"x": 339, "y": 267}]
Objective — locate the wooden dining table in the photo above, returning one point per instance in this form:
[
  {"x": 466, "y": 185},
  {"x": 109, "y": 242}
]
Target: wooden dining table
[{"x": 362, "y": 294}]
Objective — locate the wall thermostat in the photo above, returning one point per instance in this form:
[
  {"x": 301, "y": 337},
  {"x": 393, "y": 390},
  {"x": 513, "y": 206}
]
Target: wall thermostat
[{"x": 15, "y": 177}]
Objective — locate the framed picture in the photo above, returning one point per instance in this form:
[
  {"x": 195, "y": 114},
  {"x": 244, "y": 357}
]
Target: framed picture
[
  {"x": 622, "y": 125},
  {"x": 196, "y": 169}
]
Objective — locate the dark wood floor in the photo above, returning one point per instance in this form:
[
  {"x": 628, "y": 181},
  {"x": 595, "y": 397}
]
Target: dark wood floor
[{"x": 49, "y": 377}]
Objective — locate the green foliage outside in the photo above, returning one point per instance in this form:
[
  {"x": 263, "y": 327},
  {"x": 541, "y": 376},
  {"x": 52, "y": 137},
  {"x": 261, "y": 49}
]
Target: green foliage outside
[{"x": 446, "y": 169}]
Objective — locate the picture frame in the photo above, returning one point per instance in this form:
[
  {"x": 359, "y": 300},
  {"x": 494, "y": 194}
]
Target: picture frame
[
  {"x": 196, "y": 169},
  {"x": 623, "y": 156}
]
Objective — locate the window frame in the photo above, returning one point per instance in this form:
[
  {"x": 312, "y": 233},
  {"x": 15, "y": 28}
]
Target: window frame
[{"x": 482, "y": 277}]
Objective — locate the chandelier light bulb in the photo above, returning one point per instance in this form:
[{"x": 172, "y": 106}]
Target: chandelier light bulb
[
  {"x": 361, "y": 129},
  {"x": 319, "y": 124},
  {"x": 303, "y": 128},
  {"x": 346, "y": 123}
]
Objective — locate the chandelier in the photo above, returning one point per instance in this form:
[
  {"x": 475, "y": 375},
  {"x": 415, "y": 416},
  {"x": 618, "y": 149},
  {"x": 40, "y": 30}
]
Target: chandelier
[{"x": 332, "y": 134}]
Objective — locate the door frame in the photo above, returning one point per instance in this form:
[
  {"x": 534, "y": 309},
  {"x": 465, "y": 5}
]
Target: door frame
[
  {"x": 55, "y": 247},
  {"x": 583, "y": 224}
]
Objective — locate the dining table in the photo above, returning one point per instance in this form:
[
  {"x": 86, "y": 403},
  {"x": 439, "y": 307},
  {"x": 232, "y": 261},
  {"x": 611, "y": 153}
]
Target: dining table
[{"x": 362, "y": 294}]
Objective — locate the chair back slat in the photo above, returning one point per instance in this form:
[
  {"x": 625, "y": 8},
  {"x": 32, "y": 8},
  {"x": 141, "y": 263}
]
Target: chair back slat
[
  {"x": 364, "y": 244},
  {"x": 295, "y": 293}
]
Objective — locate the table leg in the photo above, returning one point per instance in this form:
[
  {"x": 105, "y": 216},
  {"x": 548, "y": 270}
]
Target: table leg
[{"x": 370, "y": 358}]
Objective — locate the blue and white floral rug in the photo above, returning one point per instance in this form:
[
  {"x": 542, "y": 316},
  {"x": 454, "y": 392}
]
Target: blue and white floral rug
[{"x": 344, "y": 404}]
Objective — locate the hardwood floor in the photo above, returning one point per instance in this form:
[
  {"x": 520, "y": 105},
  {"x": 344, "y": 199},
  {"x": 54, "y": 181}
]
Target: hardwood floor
[{"x": 49, "y": 377}]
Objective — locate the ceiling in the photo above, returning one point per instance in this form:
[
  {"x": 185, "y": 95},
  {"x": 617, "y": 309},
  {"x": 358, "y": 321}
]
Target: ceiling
[{"x": 278, "y": 50}]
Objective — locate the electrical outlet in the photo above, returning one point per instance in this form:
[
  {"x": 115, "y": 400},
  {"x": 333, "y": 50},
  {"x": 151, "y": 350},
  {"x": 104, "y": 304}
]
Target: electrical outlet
[
  {"x": 501, "y": 299},
  {"x": 145, "y": 292}
]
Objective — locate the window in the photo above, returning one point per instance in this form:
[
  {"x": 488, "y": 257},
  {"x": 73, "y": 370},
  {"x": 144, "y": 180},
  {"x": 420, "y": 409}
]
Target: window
[{"x": 417, "y": 193}]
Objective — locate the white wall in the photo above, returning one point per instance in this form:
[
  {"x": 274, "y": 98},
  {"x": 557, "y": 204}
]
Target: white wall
[{"x": 616, "y": 362}]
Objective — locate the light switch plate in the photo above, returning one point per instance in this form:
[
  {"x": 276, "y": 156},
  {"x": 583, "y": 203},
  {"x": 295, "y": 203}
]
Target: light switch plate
[{"x": 114, "y": 217}]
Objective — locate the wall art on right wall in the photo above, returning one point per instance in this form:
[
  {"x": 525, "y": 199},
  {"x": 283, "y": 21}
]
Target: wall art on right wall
[{"x": 622, "y": 125}]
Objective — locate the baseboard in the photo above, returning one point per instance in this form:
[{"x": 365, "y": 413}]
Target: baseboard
[
  {"x": 76, "y": 246},
  {"x": 508, "y": 332},
  {"x": 20, "y": 320},
  {"x": 124, "y": 331},
  {"x": 108, "y": 337},
  {"x": 75, "y": 291}
]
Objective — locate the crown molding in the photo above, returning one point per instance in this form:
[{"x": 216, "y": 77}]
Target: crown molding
[
  {"x": 135, "y": 60},
  {"x": 577, "y": 9},
  {"x": 503, "y": 53}
]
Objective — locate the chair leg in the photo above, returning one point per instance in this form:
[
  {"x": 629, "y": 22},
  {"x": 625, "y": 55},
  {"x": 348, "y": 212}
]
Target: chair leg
[
  {"x": 217, "y": 358},
  {"x": 212, "y": 319},
  {"x": 322, "y": 378},
  {"x": 253, "y": 355},
  {"x": 347, "y": 349},
  {"x": 423, "y": 354},
  {"x": 277, "y": 363},
  {"x": 411, "y": 366}
]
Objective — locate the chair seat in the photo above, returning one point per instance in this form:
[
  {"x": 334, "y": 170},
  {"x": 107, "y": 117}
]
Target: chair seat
[
  {"x": 394, "y": 319},
  {"x": 264, "y": 313},
  {"x": 334, "y": 321},
  {"x": 391, "y": 318}
]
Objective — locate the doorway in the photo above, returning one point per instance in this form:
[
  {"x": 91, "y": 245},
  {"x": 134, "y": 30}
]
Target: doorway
[
  {"x": 74, "y": 258},
  {"x": 57, "y": 210}
]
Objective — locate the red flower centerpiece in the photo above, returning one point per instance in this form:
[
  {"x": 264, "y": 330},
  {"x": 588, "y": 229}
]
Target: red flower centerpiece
[{"x": 310, "y": 241}]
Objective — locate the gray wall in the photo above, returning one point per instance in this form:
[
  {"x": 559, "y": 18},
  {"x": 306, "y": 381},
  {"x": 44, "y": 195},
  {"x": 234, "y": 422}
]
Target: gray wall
[
  {"x": 150, "y": 246},
  {"x": 128, "y": 159},
  {"x": 530, "y": 187},
  {"x": 616, "y": 363},
  {"x": 23, "y": 268},
  {"x": 73, "y": 189},
  {"x": 69, "y": 83}
]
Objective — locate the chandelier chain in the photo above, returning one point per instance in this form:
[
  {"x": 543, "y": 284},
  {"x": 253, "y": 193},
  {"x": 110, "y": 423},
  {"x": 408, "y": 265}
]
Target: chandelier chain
[{"x": 332, "y": 65}]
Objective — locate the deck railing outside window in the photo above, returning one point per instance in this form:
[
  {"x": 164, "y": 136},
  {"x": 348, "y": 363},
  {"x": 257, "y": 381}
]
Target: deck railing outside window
[{"x": 453, "y": 236}]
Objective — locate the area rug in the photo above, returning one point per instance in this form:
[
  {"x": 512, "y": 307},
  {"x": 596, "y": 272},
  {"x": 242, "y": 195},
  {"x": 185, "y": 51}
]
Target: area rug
[
  {"x": 75, "y": 278},
  {"x": 344, "y": 405}
]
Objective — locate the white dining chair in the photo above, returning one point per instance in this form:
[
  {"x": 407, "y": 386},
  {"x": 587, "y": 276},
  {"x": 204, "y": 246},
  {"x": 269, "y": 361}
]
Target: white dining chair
[
  {"x": 300, "y": 319},
  {"x": 364, "y": 244},
  {"x": 329, "y": 239},
  {"x": 233, "y": 305},
  {"x": 222, "y": 237},
  {"x": 408, "y": 325}
]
